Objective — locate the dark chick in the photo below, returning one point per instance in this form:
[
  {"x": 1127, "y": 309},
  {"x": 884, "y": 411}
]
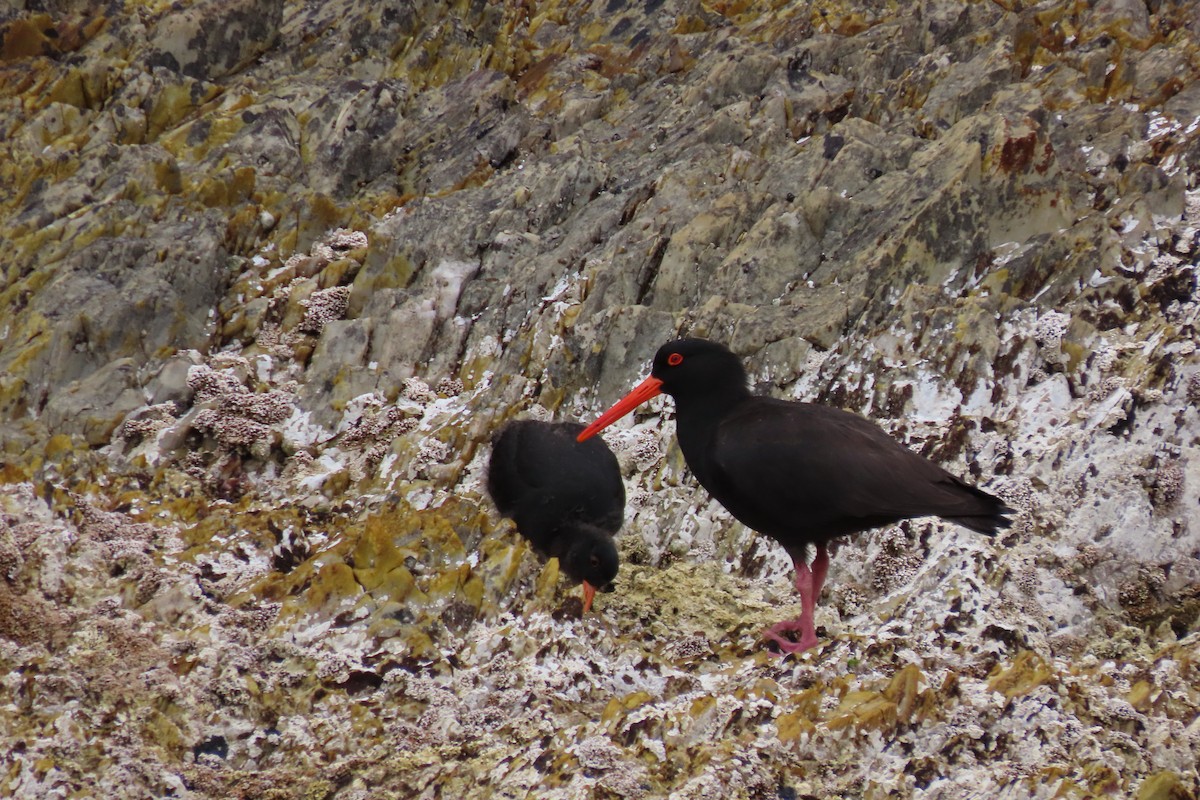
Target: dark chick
[
  {"x": 566, "y": 497},
  {"x": 800, "y": 473}
]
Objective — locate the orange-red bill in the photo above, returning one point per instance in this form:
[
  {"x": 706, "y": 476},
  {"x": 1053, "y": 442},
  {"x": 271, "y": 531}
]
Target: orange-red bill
[
  {"x": 651, "y": 387},
  {"x": 589, "y": 594}
]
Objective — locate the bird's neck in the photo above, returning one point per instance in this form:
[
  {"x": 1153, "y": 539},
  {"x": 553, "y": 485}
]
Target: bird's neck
[{"x": 698, "y": 415}]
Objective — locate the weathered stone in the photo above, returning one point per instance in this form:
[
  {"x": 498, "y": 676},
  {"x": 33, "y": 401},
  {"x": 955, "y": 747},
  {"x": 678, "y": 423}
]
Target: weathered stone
[
  {"x": 1164, "y": 786},
  {"x": 214, "y": 38},
  {"x": 273, "y": 274},
  {"x": 94, "y": 406},
  {"x": 1127, "y": 20}
]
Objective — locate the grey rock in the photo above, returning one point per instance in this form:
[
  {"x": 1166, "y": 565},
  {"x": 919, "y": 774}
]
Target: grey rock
[
  {"x": 95, "y": 405},
  {"x": 974, "y": 223},
  {"x": 121, "y": 297},
  {"x": 214, "y": 38},
  {"x": 169, "y": 380},
  {"x": 1126, "y": 18}
]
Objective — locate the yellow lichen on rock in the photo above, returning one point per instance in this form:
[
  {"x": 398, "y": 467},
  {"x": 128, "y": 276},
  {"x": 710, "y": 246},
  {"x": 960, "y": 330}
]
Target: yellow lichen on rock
[{"x": 1025, "y": 673}]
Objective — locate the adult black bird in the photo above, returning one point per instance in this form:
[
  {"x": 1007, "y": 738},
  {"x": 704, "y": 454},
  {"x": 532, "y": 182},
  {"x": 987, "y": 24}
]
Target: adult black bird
[
  {"x": 799, "y": 472},
  {"x": 566, "y": 497}
]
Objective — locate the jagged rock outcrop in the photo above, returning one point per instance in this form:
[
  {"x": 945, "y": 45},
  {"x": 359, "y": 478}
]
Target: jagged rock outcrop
[{"x": 273, "y": 272}]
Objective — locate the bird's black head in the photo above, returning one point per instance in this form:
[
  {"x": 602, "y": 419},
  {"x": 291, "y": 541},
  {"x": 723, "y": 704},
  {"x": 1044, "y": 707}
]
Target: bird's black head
[
  {"x": 592, "y": 557},
  {"x": 697, "y": 366},
  {"x": 701, "y": 375}
]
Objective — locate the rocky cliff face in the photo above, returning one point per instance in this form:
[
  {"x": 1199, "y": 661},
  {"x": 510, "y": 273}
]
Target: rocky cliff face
[{"x": 273, "y": 272}]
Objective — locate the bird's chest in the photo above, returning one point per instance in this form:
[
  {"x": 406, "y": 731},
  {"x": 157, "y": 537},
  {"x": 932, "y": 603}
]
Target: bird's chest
[
  {"x": 771, "y": 488},
  {"x": 696, "y": 441}
]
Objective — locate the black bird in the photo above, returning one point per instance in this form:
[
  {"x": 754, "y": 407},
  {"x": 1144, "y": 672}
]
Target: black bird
[
  {"x": 566, "y": 497},
  {"x": 799, "y": 472}
]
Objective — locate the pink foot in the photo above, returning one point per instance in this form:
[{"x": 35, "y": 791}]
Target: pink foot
[
  {"x": 778, "y": 634},
  {"x": 809, "y": 581}
]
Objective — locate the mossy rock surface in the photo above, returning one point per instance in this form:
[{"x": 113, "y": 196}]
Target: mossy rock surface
[{"x": 273, "y": 273}]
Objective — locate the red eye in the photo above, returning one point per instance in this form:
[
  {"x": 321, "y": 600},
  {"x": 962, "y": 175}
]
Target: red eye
[{"x": 675, "y": 359}]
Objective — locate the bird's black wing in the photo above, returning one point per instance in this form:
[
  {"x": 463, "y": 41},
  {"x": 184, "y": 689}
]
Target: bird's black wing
[
  {"x": 809, "y": 472},
  {"x": 541, "y": 477},
  {"x": 507, "y": 479}
]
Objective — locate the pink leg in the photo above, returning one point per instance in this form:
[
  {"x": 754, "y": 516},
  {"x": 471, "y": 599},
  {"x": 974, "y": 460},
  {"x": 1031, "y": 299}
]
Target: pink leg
[
  {"x": 820, "y": 568},
  {"x": 809, "y": 581}
]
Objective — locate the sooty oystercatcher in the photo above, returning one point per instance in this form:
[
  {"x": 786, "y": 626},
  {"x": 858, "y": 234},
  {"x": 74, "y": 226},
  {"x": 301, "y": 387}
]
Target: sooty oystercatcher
[
  {"x": 566, "y": 497},
  {"x": 800, "y": 473}
]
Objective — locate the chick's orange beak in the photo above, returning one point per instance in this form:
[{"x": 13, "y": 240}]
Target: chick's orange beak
[
  {"x": 651, "y": 387},
  {"x": 589, "y": 594}
]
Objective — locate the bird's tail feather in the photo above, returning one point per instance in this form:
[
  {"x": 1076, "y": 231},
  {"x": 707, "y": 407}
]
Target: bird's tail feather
[{"x": 987, "y": 523}]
